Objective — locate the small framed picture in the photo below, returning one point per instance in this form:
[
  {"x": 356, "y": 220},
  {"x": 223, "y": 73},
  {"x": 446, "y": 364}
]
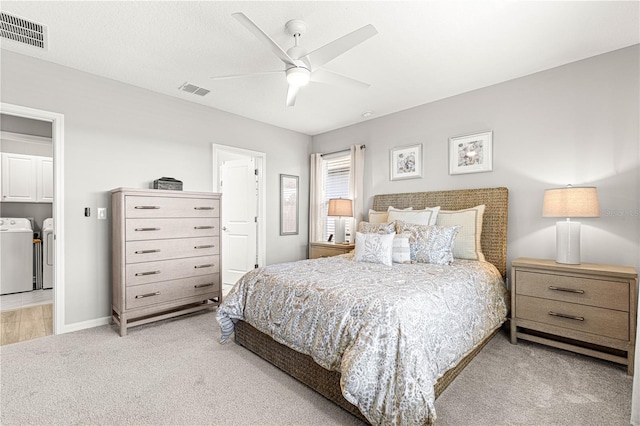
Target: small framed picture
[
  {"x": 471, "y": 153},
  {"x": 406, "y": 162}
]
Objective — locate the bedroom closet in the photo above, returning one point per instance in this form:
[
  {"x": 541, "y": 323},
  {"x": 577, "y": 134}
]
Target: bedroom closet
[{"x": 26, "y": 225}]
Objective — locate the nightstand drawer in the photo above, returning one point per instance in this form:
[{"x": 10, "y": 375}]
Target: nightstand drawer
[
  {"x": 588, "y": 319},
  {"x": 574, "y": 289}
]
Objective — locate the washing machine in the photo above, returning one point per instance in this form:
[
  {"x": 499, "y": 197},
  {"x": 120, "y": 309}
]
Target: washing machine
[
  {"x": 16, "y": 255},
  {"x": 47, "y": 253}
]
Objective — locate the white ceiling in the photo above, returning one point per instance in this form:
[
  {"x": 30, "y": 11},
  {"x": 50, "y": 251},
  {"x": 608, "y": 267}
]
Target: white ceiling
[{"x": 424, "y": 51}]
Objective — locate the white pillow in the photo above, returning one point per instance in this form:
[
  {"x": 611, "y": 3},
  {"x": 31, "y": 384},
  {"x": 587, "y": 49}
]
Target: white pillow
[
  {"x": 401, "y": 250},
  {"x": 417, "y": 217},
  {"x": 374, "y": 248},
  {"x": 467, "y": 243},
  {"x": 382, "y": 217},
  {"x": 377, "y": 217}
]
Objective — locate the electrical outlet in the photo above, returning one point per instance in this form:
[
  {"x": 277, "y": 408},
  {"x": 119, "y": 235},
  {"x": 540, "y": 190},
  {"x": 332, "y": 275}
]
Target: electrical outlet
[{"x": 102, "y": 213}]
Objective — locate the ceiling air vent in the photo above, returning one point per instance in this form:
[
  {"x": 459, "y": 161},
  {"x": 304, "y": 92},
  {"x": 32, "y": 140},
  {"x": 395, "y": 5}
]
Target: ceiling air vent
[
  {"x": 192, "y": 88},
  {"x": 26, "y": 32}
]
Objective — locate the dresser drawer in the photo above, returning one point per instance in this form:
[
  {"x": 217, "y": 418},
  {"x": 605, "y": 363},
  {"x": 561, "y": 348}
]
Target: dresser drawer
[
  {"x": 169, "y": 291},
  {"x": 151, "y": 250},
  {"x": 164, "y": 270},
  {"x": 588, "y": 319},
  {"x": 140, "y": 206},
  {"x": 573, "y": 289},
  {"x": 159, "y": 229}
]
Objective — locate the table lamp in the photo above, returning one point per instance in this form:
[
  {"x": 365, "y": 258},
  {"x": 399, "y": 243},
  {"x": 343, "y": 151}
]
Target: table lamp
[
  {"x": 569, "y": 202},
  {"x": 340, "y": 208}
]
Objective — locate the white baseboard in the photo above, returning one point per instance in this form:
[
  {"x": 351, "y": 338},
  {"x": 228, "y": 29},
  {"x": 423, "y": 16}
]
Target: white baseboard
[{"x": 68, "y": 328}]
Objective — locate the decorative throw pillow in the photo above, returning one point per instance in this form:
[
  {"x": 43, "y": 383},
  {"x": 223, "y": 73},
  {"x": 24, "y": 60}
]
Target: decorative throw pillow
[
  {"x": 377, "y": 217},
  {"x": 374, "y": 248},
  {"x": 467, "y": 244},
  {"x": 382, "y": 217},
  {"x": 376, "y": 228},
  {"x": 419, "y": 217},
  {"x": 430, "y": 244},
  {"x": 401, "y": 252}
]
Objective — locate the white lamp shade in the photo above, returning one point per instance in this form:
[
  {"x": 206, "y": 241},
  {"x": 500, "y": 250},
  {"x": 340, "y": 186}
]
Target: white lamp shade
[
  {"x": 571, "y": 202},
  {"x": 340, "y": 207}
]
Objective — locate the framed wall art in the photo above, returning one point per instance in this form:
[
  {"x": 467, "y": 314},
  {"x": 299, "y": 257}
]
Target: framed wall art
[
  {"x": 289, "y": 205},
  {"x": 471, "y": 153},
  {"x": 405, "y": 162}
]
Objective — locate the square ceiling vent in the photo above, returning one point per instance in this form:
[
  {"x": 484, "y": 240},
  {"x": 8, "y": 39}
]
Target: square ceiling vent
[
  {"x": 192, "y": 88},
  {"x": 23, "y": 31}
]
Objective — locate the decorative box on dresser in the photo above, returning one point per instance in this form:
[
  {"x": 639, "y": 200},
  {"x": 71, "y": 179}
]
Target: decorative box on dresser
[
  {"x": 165, "y": 254},
  {"x": 586, "y": 308},
  {"x": 321, "y": 249}
]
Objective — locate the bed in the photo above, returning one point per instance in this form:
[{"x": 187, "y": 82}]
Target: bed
[{"x": 282, "y": 313}]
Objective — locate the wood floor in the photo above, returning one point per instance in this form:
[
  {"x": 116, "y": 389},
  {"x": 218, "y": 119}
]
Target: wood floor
[{"x": 22, "y": 324}]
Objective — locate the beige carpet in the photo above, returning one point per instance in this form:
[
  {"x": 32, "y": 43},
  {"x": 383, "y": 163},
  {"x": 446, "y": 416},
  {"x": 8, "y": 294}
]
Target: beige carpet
[{"x": 175, "y": 372}]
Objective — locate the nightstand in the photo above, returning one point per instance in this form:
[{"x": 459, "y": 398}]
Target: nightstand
[
  {"x": 321, "y": 249},
  {"x": 586, "y": 308}
]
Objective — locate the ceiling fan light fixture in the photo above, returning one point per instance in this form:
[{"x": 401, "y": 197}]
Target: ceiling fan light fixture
[{"x": 298, "y": 76}]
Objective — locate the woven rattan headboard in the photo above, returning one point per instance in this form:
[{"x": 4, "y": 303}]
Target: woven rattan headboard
[{"x": 494, "y": 225}]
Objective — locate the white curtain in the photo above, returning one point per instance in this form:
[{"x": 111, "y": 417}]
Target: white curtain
[
  {"x": 316, "y": 197},
  {"x": 635, "y": 395},
  {"x": 356, "y": 187}
]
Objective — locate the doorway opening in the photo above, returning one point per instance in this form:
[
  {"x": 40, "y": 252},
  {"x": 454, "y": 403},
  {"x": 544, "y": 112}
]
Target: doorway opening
[
  {"x": 239, "y": 175},
  {"x": 55, "y": 232}
]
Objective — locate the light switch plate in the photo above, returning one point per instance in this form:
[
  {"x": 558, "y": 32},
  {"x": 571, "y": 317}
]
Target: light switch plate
[{"x": 102, "y": 213}]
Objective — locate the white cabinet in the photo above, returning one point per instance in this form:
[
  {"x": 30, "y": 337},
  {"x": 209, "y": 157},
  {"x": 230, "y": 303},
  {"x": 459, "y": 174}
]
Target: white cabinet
[
  {"x": 44, "y": 186},
  {"x": 27, "y": 178}
]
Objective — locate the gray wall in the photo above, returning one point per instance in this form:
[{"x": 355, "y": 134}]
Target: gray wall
[
  {"x": 575, "y": 124},
  {"x": 117, "y": 135}
]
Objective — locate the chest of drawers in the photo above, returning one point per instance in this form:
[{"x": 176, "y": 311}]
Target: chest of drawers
[
  {"x": 165, "y": 254},
  {"x": 586, "y": 308}
]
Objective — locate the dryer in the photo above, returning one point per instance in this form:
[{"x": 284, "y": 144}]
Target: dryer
[
  {"x": 16, "y": 255},
  {"x": 47, "y": 253}
]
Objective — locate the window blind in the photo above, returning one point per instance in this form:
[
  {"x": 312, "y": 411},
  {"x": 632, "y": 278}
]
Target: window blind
[{"x": 336, "y": 185}]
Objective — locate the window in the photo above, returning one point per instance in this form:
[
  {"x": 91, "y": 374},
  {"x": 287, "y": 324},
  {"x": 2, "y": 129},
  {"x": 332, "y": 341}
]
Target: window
[{"x": 336, "y": 170}]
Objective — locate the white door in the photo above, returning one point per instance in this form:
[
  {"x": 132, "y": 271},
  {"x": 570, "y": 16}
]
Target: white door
[{"x": 239, "y": 188}]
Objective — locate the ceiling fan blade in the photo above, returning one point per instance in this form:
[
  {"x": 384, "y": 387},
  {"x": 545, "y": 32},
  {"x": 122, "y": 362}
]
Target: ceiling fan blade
[
  {"x": 255, "y": 74},
  {"x": 292, "y": 94},
  {"x": 322, "y": 75},
  {"x": 262, "y": 36},
  {"x": 330, "y": 51}
]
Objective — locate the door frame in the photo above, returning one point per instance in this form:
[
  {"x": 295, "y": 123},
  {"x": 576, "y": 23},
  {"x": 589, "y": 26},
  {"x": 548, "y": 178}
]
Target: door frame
[
  {"x": 57, "y": 140},
  {"x": 261, "y": 165}
]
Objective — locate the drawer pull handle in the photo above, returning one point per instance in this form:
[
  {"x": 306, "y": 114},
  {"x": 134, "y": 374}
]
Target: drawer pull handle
[
  {"x": 147, "y": 229},
  {"x": 141, "y": 274},
  {"x": 204, "y": 247},
  {"x": 203, "y": 227},
  {"x": 147, "y": 207},
  {"x": 203, "y": 285},
  {"x": 142, "y": 296},
  {"x": 555, "y": 314},
  {"x": 568, "y": 290},
  {"x": 203, "y": 208},
  {"x": 203, "y": 266},
  {"x": 147, "y": 251}
]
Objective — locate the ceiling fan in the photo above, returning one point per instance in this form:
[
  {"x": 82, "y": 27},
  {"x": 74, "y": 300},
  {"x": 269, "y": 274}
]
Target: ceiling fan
[{"x": 302, "y": 67}]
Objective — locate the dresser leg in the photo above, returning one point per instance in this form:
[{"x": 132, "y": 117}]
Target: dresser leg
[
  {"x": 123, "y": 325},
  {"x": 514, "y": 339}
]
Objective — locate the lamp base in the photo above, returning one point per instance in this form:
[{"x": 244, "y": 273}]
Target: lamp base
[
  {"x": 339, "y": 224},
  {"x": 568, "y": 242}
]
